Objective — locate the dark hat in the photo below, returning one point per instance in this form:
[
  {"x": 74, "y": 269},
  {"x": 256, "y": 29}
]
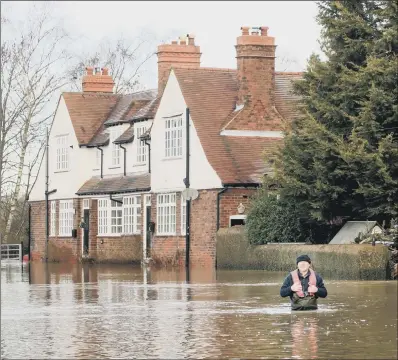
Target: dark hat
[{"x": 303, "y": 258}]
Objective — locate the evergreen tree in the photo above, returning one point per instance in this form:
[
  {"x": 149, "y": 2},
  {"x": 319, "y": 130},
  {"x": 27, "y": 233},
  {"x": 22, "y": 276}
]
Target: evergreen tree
[{"x": 340, "y": 157}]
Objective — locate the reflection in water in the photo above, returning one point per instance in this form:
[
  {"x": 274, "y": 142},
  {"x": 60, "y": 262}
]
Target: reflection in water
[
  {"x": 305, "y": 338},
  {"x": 102, "y": 311}
]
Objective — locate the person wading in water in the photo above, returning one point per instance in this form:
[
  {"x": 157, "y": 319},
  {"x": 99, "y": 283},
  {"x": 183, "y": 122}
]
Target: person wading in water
[{"x": 303, "y": 286}]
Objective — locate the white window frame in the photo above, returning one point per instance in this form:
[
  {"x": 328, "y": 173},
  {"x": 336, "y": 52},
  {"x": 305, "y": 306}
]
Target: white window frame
[
  {"x": 141, "y": 147},
  {"x": 236, "y": 217},
  {"x": 173, "y": 137},
  {"x": 62, "y": 153},
  {"x": 66, "y": 217},
  {"x": 183, "y": 216},
  {"x": 166, "y": 214},
  {"x": 53, "y": 217},
  {"x": 102, "y": 217},
  {"x": 115, "y": 217},
  {"x": 115, "y": 132},
  {"x": 132, "y": 217}
]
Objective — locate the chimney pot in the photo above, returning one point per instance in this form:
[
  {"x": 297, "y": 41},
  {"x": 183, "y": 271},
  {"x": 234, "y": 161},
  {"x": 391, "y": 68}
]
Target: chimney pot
[
  {"x": 245, "y": 30},
  {"x": 174, "y": 42},
  {"x": 89, "y": 70},
  {"x": 105, "y": 71},
  {"x": 264, "y": 30}
]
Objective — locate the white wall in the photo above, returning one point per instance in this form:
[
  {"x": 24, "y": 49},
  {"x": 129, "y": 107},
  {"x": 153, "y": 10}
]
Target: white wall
[
  {"x": 168, "y": 174},
  {"x": 66, "y": 182}
]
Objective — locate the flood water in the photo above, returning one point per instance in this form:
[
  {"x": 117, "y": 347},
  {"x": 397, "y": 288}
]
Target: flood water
[{"x": 91, "y": 312}]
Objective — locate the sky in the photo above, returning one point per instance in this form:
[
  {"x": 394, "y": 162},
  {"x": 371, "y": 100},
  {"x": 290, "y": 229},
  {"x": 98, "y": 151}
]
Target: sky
[{"x": 216, "y": 25}]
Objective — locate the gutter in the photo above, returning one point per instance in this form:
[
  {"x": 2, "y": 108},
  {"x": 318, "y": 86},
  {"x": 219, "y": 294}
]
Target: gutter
[
  {"x": 245, "y": 185},
  {"x": 113, "y": 192}
]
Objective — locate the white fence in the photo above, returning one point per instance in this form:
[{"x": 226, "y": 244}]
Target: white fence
[{"x": 11, "y": 252}]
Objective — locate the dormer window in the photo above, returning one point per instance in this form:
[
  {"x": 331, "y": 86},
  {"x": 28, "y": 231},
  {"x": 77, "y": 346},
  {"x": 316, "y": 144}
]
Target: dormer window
[
  {"x": 141, "y": 146},
  {"x": 115, "y": 132}
]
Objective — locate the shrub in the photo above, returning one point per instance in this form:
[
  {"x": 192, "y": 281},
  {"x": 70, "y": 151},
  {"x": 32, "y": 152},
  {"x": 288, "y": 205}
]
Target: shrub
[{"x": 273, "y": 220}]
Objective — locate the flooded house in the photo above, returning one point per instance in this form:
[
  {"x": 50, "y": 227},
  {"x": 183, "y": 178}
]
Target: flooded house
[{"x": 118, "y": 169}]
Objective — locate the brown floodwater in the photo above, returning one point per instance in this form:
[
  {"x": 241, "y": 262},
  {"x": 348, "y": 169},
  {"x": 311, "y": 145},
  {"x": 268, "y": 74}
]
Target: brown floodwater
[{"x": 63, "y": 311}]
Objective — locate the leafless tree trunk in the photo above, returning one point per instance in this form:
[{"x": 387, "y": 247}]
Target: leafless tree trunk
[{"x": 33, "y": 72}]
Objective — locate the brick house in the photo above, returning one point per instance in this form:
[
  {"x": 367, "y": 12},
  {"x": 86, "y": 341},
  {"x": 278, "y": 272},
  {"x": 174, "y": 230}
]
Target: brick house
[{"x": 118, "y": 163}]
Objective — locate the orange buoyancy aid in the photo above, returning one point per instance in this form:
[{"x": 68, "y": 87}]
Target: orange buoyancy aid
[{"x": 312, "y": 281}]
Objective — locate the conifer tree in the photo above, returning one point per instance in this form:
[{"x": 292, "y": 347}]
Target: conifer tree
[{"x": 340, "y": 157}]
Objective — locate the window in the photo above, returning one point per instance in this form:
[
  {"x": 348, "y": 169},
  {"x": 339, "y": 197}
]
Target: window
[
  {"x": 236, "y": 220},
  {"x": 102, "y": 216},
  {"x": 62, "y": 153},
  {"x": 116, "y": 217},
  {"x": 173, "y": 137},
  {"x": 66, "y": 213},
  {"x": 86, "y": 204},
  {"x": 166, "y": 214},
  {"x": 53, "y": 218},
  {"x": 141, "y": 146},
  {"x": 115, "y": 133},
  {"x": 183, "y": 216},
  {"x": 132, "y": 214}
]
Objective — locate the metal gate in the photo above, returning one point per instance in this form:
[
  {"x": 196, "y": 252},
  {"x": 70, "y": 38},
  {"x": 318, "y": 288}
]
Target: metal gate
[{"x": 11, "y": 252}]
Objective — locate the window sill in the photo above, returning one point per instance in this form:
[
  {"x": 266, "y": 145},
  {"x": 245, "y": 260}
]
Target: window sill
[
  {"x": 110, "y": 235},
  {"x": 60, "y": 171},
  {"x": 63, "y": 236},
  {"x": 96, "y": 169},
  {"x": 172, "y": 158},
  {"x": 114, "y": 167},
  {"x": 140, "y": 164},
  {"x": 166, "y": 235}
]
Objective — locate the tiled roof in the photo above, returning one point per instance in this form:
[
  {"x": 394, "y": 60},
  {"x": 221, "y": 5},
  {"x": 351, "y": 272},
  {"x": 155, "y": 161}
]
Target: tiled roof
[
  {"x": 126, "y": 137},
  {"x": 88, "y": 111},
  {"x": 100, "y": 139},
  {"x": 148, "y": 111},
  {"x": 116, "y": 184},
  {"x": 128, "y": 105},
  {"x": 211, "y": 97},
  {"x": 285, "y": 100}
]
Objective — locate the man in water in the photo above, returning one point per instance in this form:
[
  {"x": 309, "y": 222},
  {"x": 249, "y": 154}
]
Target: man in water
[{"x": 303, "y": 286}]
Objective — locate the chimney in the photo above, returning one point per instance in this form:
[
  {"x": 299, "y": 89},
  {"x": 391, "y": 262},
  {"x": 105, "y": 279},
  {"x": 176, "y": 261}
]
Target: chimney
[
  {"x": 255, "y": 53},
  {"x": 97, "y": 80},
  {"x": 182, "y": 53}
]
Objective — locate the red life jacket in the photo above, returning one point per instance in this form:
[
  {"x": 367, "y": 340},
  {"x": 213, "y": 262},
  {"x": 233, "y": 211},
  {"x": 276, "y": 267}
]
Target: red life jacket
[{"x": 312, "y": 281}]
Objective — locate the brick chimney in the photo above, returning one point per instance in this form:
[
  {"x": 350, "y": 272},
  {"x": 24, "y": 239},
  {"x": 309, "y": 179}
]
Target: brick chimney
[
  {"x": 97, "y": 80},
  {"x": 182, "y": 53},
  {"x": 255, "y": 53}
]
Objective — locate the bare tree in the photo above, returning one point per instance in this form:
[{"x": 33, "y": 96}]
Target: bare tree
[
  {"x": 124, "y": 58},
  {"x": 32, "y": 74}
]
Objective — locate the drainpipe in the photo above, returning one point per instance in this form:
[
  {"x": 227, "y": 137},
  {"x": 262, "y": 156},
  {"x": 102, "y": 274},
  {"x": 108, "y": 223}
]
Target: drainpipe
[
  {"x": 218, "y": 206},
  {"x": 102, "y": 159},
  {"x": 149, "y": 154},
  {"x": 124, "y": 164},
  {"x": 188, "y": 203},
  {"x": 29, "y": 227},
  {"x": 46, "y": 195}
]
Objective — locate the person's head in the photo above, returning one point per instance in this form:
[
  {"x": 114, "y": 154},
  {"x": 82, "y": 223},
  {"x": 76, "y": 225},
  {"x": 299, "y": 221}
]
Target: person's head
[{"x": 303, "y": 263}]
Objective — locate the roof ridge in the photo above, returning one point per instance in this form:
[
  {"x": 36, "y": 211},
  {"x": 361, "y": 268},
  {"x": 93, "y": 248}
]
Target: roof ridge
[{"x": 206, "y": 68}]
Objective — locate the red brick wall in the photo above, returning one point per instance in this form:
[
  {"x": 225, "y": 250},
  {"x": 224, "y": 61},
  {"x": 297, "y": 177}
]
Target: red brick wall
[
  {"x": 171, "y": 249},
  {"x": 119, "y": 249},
  {"x": 230, "y": 201}
]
